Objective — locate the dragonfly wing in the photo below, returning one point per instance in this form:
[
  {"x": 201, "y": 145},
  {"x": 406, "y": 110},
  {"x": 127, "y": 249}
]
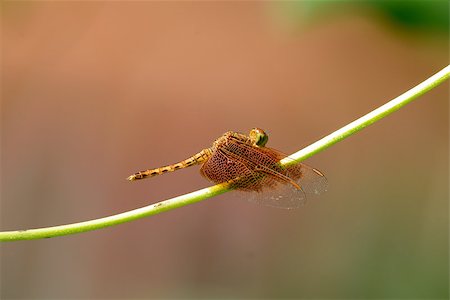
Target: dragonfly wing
[
  {"x": 221, "y": 167},
  {"x": 260, "y": 179},
  {"x": 312, "y": 181},
  {"x": 281, "y": 196}
]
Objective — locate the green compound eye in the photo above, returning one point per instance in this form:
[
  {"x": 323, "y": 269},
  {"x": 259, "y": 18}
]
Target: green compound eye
[{"x": 259, "y": 137}]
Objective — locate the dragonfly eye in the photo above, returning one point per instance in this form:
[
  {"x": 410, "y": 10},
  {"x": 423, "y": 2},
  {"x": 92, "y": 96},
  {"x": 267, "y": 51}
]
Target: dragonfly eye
[{"x": 259, "y": 137}]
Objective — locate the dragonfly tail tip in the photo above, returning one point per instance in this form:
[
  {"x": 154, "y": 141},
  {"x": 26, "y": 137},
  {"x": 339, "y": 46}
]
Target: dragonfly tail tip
[{"x": 131, "y": 178}]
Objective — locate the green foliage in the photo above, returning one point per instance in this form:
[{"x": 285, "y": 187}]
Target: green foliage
[{"x": 425, "y": 16}]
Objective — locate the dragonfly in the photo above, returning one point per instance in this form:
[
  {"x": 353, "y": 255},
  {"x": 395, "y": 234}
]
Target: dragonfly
[{"x": 247, "y": 165}]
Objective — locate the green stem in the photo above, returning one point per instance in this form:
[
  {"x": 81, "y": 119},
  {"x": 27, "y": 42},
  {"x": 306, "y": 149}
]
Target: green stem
[
  {"x": 206, "y": 193},
  {"x": 371, "y": 117}
]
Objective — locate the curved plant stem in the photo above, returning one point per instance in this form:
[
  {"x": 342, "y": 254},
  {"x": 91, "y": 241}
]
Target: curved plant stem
[
  {"x": 370, "y": 118},
  {"x": 206, "y": 193}
]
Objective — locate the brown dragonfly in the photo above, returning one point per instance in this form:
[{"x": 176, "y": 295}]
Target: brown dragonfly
[{"x": 248, "y": 165}]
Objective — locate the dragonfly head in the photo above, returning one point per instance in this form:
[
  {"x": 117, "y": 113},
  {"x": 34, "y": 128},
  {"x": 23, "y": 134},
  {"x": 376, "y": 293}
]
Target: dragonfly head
[{"x": 258, "y": 136}]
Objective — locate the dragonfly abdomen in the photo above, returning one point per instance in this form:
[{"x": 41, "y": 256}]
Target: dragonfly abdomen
[{"x": 193, "y": 160}]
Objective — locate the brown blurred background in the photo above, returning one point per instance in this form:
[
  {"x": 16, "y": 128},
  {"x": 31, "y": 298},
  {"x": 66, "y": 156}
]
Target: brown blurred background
[{"x": 92, "y": 92}]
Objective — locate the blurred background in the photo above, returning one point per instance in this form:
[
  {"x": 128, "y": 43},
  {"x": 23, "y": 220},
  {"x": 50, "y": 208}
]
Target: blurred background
[{"x": 93, "y": 92}]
